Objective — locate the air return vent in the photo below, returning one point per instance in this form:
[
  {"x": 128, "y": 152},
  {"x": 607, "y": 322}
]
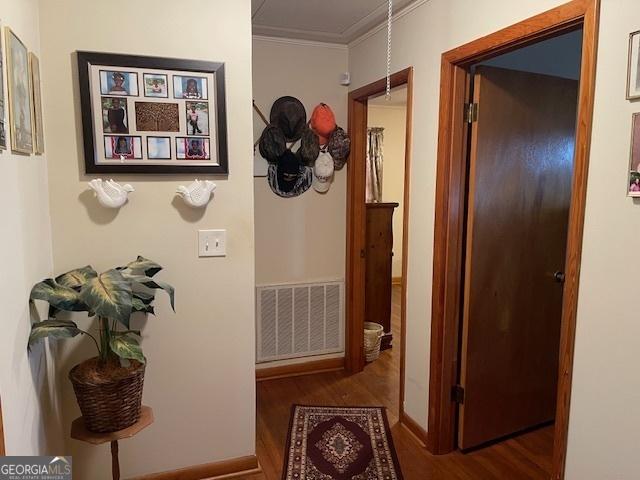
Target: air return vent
[{"x": 299, "y": 320}]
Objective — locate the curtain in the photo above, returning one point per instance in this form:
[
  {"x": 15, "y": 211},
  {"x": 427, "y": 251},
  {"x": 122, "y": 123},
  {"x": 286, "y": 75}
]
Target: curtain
[{"x": 375, "y": 137}]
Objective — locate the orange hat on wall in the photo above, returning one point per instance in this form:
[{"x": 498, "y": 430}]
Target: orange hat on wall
[{"x": 323, "y": 122}]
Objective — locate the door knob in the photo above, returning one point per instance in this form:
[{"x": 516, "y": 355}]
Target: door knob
[{"x": 559, "y": 277}]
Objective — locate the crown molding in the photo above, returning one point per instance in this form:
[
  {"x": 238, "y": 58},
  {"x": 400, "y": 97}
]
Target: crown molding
[
  {"x": 296, "y": 33},
  {"x": 353, "y": 30},
  {"x": 299, "y": 42},
  {"x": 401, "y": 13}
]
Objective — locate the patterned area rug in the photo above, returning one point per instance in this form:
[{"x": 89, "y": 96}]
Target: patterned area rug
[{"x": 340, "y": 443}]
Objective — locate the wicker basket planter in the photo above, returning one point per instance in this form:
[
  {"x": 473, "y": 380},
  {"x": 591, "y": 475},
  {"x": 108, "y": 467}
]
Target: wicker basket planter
[
  {"x": 373, "y": 333},
  {"x": 109, "y": 406}
]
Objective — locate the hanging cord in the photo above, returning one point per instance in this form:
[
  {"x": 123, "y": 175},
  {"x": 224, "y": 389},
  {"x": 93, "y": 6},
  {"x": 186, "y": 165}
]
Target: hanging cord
[
  {"x": 389, "y": 16},
  {"x": 264, "y": 119}
]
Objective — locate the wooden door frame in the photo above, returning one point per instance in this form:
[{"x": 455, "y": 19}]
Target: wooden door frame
[
  {"x": 356, "y": 221},
  {"x": 450, "y": 213}
]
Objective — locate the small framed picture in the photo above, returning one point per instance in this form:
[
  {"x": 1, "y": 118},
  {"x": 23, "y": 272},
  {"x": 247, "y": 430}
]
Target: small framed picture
[
  {"x": 118, "y": 83},
  {"x": 122, "y": 147},
  {"x": 115, "y": 118},
  {"x": 192, "y": 148},
  {"x": 634, "y": 162},
  {"x": 20, "y": 94},
  {"x": 633, "y": 73},
  {"x": 191, "y": 87},
  {"x": 157, "y": 117},
  {"x": 3, "y": 132},
  {"x": 38, "y": 145},
  {"x": 156, "y": 85},
  {"x": 159, "y": 148},
  {"x": 197, "y": 118}
]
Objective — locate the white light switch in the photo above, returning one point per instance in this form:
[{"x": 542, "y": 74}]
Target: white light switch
[{"x": 212, "y": 243}]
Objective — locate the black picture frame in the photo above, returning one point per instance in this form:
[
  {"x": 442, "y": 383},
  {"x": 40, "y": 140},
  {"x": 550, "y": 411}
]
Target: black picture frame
[{"x": 218, "y": 132}]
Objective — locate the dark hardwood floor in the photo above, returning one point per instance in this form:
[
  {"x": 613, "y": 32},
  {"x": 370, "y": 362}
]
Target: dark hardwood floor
[{"x": 526, "y": 456}]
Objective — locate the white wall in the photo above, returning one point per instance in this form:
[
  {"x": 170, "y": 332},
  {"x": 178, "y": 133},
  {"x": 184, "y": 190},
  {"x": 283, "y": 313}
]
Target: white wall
[
  {"x": 27, "y": 388},
  {"x": 200, "y": 373},
  {"x": 300, "y": 239},
  {"x": 604, "y": 429},
  {"x": 605, "y": 412},
  {"x": 394, "y": 121}
]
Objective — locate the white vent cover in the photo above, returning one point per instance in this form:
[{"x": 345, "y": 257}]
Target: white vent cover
[{"x": 299, "y": 320}]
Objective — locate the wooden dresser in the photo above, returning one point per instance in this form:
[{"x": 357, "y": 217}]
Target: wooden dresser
[{"x": 379, "y": 255}]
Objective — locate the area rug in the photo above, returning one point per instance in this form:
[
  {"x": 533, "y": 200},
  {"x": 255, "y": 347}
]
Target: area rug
[{"x": 340, "y": 443}]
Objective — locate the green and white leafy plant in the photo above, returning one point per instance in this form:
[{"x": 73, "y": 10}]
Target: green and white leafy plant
[{"x": 112, "y": 296}]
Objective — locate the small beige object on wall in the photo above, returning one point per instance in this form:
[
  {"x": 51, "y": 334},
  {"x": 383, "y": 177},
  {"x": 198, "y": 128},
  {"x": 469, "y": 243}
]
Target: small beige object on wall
[
  {"x": 198, "y": 193},
  {"x": 110, "y": 194}
]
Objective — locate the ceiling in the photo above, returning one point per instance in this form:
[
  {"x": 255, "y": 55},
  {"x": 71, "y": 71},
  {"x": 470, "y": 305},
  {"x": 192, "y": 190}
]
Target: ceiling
[{"x": 336, "y": 21}]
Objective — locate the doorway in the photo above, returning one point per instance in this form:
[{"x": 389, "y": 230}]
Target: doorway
[
  {"x": 384, "y": 203},
  {"x": 355, "y": 285},
  {"x": 458, "y": 270}
]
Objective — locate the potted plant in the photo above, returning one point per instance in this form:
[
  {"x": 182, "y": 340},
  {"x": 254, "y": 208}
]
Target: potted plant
[{"x": 108, "y": 387}]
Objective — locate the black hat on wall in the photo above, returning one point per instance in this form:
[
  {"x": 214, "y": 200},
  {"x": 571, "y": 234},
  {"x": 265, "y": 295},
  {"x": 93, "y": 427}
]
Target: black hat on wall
[
  {"x": 272, "y": 143},
  {"x": 309, "y": 146},
  {"x": 289, "y": 177},
  {"x": 289, "y": 114},
  {"x": 339, "y": 147}
]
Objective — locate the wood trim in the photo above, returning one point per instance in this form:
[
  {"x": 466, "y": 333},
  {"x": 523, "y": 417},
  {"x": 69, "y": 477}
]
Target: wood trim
[
  {"x": 356, "y": 232},
  {"x": 405, "y": 236},
  {"x": 298, "y": 369},
  {"x": 356, "y": 212},
  {"x": 231, "y": 468},
  {"x": 396, "y": 281},
  {"x": 449, "y": 212},
  {"x": 3, "y": 451},
  {"x": 547, "y": 24},
  {"x": 575, "y": 234},
  {"x": 416, "y": 430},
  {"x": 379, "y": 87},
  {"x": 448, "y": 255}
]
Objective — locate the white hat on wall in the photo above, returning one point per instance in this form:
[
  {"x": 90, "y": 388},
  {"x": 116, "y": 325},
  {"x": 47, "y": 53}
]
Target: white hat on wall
[{"x": 323, "y": 172}]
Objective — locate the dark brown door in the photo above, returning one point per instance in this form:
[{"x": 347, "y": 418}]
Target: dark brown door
[{"x": 521, "y": 164}]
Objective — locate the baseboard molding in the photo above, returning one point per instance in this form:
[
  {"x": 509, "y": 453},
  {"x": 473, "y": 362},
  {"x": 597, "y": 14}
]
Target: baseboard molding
[
  {"x": 298, "y": 369},
  {"x": 396, "y": 281},
  {"x": 231, "y": 468},
  {"x": 416, "y": 430}
]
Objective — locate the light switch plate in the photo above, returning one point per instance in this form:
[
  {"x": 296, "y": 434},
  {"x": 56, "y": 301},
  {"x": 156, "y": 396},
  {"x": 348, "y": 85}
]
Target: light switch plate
[{"x": 212, "y": 243}]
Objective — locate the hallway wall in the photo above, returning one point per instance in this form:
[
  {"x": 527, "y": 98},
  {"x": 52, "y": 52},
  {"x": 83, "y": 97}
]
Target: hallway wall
[
  {"x": 200, "y": 377},
  {"x": 301, "y": 239},
  {"x": 28, "y": 389},
  {"x": 604, "y": 430}
]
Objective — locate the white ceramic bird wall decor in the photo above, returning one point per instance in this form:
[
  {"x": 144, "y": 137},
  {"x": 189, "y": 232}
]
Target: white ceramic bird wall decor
[
  {"x": 110, "y": 194},
  {"x": 198, "y": 193}
]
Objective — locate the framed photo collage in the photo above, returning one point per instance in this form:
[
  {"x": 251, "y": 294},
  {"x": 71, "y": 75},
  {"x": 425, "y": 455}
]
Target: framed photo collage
[{"x": 152, "y": 115}]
